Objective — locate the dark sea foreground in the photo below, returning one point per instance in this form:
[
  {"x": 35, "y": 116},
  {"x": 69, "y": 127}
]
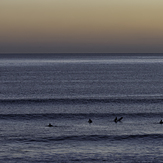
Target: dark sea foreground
[{"x": 67, "y": 90}]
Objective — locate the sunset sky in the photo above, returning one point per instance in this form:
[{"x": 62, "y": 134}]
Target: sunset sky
[{"x": 81, "y": 26}]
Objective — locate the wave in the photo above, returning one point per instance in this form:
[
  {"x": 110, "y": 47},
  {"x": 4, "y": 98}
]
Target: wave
[
  {"x": 83, "y": 100},
  {"x": 88, "y": 138},
  {"x": 77, "y": 116}
]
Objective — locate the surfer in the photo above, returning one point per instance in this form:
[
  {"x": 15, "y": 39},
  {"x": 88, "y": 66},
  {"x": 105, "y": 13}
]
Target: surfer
[
  {"x": 161, "y": 122},
  {"x": 50, "y": 125},
  {"x": 117, "y": 120},
  {"x": 90, "y": 121}
]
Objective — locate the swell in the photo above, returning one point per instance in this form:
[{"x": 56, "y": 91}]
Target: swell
[
  {"x": 82, "y": 100},
  {"x": 77, "y": 116},
  {"x": 88, "y": 138}
]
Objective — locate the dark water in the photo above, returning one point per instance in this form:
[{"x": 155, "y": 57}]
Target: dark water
[{"x": 66, "y": 91}]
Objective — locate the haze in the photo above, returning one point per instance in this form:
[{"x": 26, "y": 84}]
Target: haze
[{"x": 120, "y": 26}]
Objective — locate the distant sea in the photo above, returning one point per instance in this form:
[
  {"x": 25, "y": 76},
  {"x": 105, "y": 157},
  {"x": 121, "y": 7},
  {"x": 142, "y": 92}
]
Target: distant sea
[{"x": 66, "y": 90}]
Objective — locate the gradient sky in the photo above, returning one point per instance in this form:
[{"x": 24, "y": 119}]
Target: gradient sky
[{"x": 81, "y": 26}]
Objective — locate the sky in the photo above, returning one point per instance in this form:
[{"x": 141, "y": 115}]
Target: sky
[{"x": 81, "y": 26}]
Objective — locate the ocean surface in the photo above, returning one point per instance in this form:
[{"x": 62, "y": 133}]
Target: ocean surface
[{"x": 68, "y": 90}]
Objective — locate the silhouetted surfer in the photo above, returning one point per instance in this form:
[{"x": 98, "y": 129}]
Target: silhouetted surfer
[
  {"x": 90, "y": 121},
  {"x": 115, "y": 120},
  {"x": 118, "y": 120},
  {"x": 50, "y": 125},
  {"x": 161, "y": 122}
]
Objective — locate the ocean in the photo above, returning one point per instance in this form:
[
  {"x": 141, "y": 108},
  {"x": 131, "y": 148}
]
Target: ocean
[{"x": 66, "y": 90}]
